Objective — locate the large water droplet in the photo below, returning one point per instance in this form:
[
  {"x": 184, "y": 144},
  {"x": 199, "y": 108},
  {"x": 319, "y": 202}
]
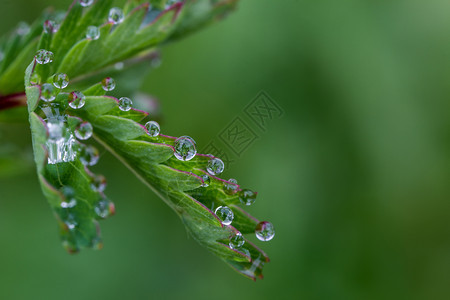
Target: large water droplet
[
  {"x": 60, "y": 80},
  {"x": 225, "y": 214},
  {"x": 23, "y": 28},
  {"x": 98, "y": 183},
  {"x": 215, "y": 166},
  {"x": 116, "y": 15},
  {"x": 206, "y": 180},
  {"x": 44, "y": 57},
  {"x": 152, "y": 128},
  {"x": 265, "y": 231},
  {"x": 108, "y": 84},
  {"x": 237, "y": 241},
  {"x": 86, "y": 3},
  {"x": 61, "y": 143},
  {"x": 48, "y": 92},
  {"x": 76, "y": 100},
  {"x": 93, "y": 33},
  {"x": 231, "y": 186},
  {"x": 247, "y": 197},
  {"x": 84, "y": 131},
  {"x": 125, "y": 104},
  {"x": 56, "y": 129},
  {"x": 103, "y": 208},
  {"x": 89, "y": 155},
  {"x": 185, "y": 148}
]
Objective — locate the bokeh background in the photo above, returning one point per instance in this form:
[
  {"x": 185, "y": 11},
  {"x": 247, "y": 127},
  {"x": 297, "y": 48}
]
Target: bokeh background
[{"x": 354, "y": 176}]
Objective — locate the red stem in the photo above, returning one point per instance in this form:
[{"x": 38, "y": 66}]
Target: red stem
[{"x": 13, "y": 100}]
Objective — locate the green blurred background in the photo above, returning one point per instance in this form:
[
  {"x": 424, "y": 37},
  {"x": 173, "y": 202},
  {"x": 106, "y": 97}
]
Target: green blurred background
[{"x": 355, "y": 176}]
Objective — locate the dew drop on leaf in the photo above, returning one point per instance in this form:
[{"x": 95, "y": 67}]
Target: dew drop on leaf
[
  {"x": 116, "y": 15},
  {"x": 264, "y": 231},
  {"x": 60, "y": 80},
  {"x": 206, "y": 180},
  {"x": 44, "y": 57},
  {"x": 76, "y": 100},
  {"x": 125, "y": 104},
  {"x": 70, "y": 221},
  {"x": 103, "y": 208},
  {"x": 23, "y": 28},
  {"x": 49, "y": 26},
  {"x": 225, "y": 214},
  {"x": 185, "y": 148},
  {"x": 247, "y": 197},
  {"x": 93, "y": 33},
  {"x": 153, "y": 128},
  {"x": 237, "y": 241},
  {"x": 231, "y": 186},
  {"x": 84, "y": 131},
  {"x": 108, "y": 84},
  {"x": 48, "y": 92},
  {"x": 215, "y": 166},
  {"x": 85, "y": 3},
  {"x": 89, "y": 155},
  {"x": 98, "y": 183}
]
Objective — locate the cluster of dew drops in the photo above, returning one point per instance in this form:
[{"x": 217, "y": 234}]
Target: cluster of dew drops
[{"x": 185, "y": 146}]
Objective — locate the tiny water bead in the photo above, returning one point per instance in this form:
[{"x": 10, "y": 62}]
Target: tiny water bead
[
  {"x": 70, "y": 221},
  {"x": 89, "y": 155},
  {"x": 125, "y": 104},
  {"x": 86, "y": 3},
  {"x": 69, "y": 195},
  {"x": 84, "y": 131},
  {"x": 231, "y": 186},
  {"x": 49, "y": 26},
  {"x": 215, "y": 166},
  {"x": 108, "y": 84},
  {"x": 225, "y": 214},
  {"x": 102, "y": 208},
  {"x": 247, "y": 197},
  {"x": 69, "y": 204},
  {"x": 48, "y": 92},
  {"x": 116, "y": 15},
  {"x": 76, "y": 99},
  {"x": 60, "y": 80},
  {"x": 153, "y": 128},
  {"x": 98, "y": 183},
  {"x": 206, "y": 180},
  {"x": 23, "y": 28},
  {"x": 237, "y": 241},
  {"x": 185, "y": 148},
  {"x": 264, "y": 231},
  {"x": 44, "y": 56},
  {"x": 93, "y": 33}
]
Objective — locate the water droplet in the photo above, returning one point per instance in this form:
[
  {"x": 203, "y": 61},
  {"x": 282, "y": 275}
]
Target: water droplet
[
  {"x": 152, "y": 128},
  {"x": 60, "y": 80},
  {"x": 108, "y": 84},
  {"x": 70, "y": 221},
  {"x": 116, "y": 15},
  {"x": 125, "y": 104},
  {"x": 35, "y": 78},
  {"x": 84, "y": 131},
  {"x": 98, "y": 183},
  {"x": 215, "y": 166},
  {"x": 69, "y": 195},
  {"x": 247, "y": 197},
  {"x": 119, "y": 66},
  {"x": 47, "y": 92},
  {"x": 23, "y": 28},
  {"x": 237, "y": 241},
  {"x": 231, "y": 186},
  {"x": 225, "y": 214},
  {"x": 185, "y": 148},
  {"x": 89, "y": 155},
  {"x": 49, "y": 26},
  {"x": 93, "y": 33},
  {"x": 44, "y": 57},
  {"x": 265, "y": 231},
  {"x": 206, "y": 180},
  {"x": 76, "y": 100},
  {"x": 56, "y": 129},
  {"x": 103, "y": 208},
  {"x": 86, "y": 3},
  {"x": 61, "y": 143}
]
